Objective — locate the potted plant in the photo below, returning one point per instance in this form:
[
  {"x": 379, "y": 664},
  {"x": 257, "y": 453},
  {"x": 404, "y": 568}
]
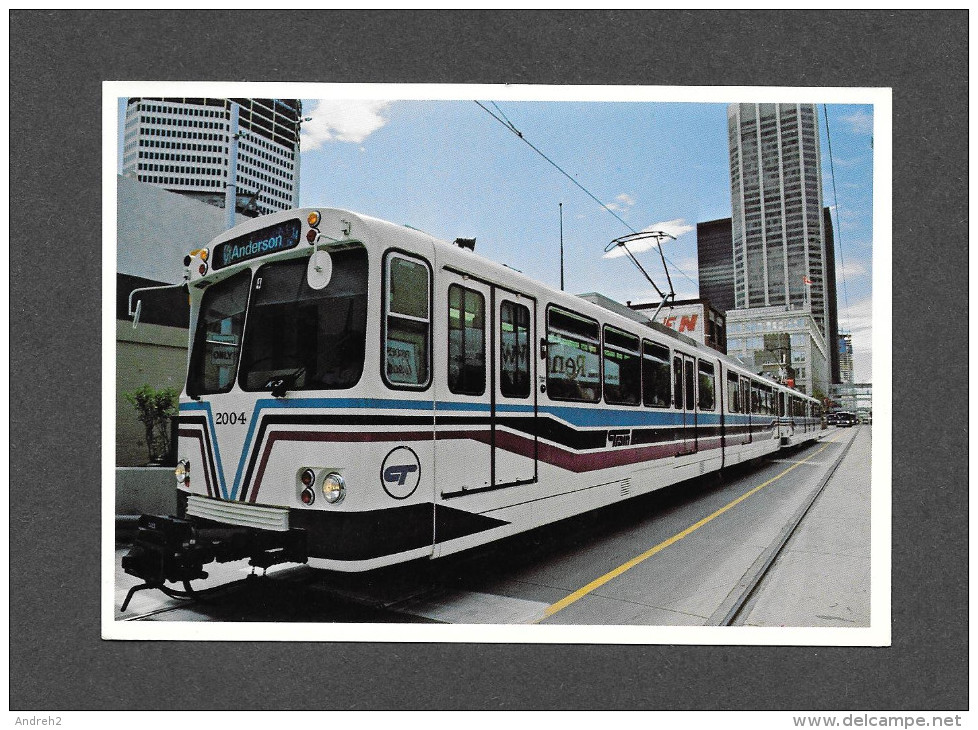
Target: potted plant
[{"x": 155, "y": 409}]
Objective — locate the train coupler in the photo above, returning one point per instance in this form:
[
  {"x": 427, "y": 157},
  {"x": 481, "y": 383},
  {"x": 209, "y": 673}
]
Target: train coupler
[{"x": 171, "y": 549}]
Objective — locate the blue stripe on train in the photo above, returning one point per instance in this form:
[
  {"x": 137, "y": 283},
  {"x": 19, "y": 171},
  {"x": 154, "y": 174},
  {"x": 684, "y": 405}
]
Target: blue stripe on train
[
  {"x": 574, "y": 415},
  {"x": 206, "y": 408}
]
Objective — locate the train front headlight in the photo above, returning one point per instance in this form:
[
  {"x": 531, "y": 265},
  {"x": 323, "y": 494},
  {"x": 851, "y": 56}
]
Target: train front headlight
[
  {"x": 182, "y": 472},
  {"x": 334, "y": 488}
]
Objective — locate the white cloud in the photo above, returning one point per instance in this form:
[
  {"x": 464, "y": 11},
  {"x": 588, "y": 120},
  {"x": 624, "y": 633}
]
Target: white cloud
[
  {"x": 337, "y": 120},
  {"x": 676, "y": 228},
  {"x": 851, "y": 270},
  {"x": 860, "y": 123},
  {"x": 622, "y": 204}
]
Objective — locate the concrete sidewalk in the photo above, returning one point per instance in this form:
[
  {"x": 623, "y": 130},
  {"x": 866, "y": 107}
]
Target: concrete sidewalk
[{"x": 822, "y": 576}]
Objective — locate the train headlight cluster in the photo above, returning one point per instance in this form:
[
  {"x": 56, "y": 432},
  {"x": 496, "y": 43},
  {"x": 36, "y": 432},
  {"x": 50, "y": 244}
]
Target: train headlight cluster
[
  {"x": 313, "y": 220},
  {"x": 200, "y": 255},
  {"x": 334, "y": 488},
  {"x": 331, "y": 482},
  {"x": 182, "y": 472},
  {"x": 308, "y": 494}
]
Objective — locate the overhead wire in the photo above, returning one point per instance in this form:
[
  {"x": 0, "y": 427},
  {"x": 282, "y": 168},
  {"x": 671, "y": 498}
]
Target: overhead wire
[
  {"x": 504, "y": 120},
  {"x": 838, "y": 219}
]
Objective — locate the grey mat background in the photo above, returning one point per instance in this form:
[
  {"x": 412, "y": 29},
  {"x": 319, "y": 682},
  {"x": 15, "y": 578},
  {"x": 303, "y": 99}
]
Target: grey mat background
[{"x": 57, "y": 63}]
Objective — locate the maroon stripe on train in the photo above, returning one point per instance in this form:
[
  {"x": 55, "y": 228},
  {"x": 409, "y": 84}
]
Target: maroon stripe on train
[
  {"x": 203, "y": 455},
  {"x": 548, "y": 453},
  {"x": 362, "y": 437}
]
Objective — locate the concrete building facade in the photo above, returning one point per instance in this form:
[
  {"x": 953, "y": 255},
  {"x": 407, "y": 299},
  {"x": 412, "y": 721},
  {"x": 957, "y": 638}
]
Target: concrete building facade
[
  {"x": 185, "y": 145},
  {"x": 784, "y": 343},
  {"x": 695, "y": 318},
  {"x": 155, "y": 229}
]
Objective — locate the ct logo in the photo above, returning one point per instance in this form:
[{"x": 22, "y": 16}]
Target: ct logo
[{"x": 400, "y": 473}]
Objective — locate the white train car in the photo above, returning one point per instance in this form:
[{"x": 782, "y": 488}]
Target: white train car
[{"x": 372, "y": 395}]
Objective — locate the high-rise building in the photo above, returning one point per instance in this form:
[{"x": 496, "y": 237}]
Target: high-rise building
[
  {"x": 185, "y": 145},
  {"x": 832, "y": 301},
  {"x": 844, "y": 343},
  {"x": 714, "y": 242},
  {"x": 714, "y": 254},
  {"x": 779, "y": 236}
]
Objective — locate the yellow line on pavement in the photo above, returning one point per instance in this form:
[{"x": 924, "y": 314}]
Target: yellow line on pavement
[{"x": 598, "y": 582}]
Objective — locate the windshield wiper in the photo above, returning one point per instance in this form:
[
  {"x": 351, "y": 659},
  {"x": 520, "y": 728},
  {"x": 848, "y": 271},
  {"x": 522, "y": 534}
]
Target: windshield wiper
[{"x": 280, "y": 386}]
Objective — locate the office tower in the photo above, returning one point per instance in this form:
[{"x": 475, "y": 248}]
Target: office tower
[
  {"x": 714, "y": 254},
  {"x": 779, "y": 237},
  {"x": 184, "y": 145},
  {"x": 832, "y": 300},
  {"x": 844, "y": 349},
  {"x": 714, "y": 242}
]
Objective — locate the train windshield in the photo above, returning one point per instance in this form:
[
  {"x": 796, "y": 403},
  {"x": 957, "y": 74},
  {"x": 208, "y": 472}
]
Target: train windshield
[
  {"x": 217, "y": 342},
  {"x": 306, "y": 331}
]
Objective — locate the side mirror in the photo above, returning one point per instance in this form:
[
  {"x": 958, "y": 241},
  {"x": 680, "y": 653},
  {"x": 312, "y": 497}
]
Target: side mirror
[{"x": 135, "y": 315}]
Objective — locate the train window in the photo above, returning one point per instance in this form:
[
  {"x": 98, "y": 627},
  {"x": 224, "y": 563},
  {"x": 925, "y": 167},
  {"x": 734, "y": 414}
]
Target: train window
[
  {"x": 755, "y": 397},
  {"x": 407, "y": 322},
  {"x": 573, "y": 364},
  {"x": 707, "y": 386},
  {"x": 514, "y": 353},
  {"x": 677, "y": 381},
  {"x": 655, "y": 374},
  {"x": 214, "y": 360},
  {"x": 303, "y": 338},
  {"x": 622, "y": 368},
  {"x": 733, "y": 393},
  {"x": 466, "y": 341}
]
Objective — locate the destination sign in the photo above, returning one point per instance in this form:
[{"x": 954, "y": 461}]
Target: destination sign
[{"x": 280, "y": 237}]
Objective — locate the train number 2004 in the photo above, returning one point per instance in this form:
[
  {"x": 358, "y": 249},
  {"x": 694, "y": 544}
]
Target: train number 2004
[{"x": 225, "y": 418}]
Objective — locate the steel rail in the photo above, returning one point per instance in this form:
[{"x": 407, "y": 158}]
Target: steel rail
[{"x": 729, "y": 611}]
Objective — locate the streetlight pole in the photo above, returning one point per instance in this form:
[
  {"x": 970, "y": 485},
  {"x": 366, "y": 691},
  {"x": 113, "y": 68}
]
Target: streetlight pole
[
  {"x": 231, "y": 189},
  {"x": 298, "y": 160},
  {"x": 561, "y": 246}
]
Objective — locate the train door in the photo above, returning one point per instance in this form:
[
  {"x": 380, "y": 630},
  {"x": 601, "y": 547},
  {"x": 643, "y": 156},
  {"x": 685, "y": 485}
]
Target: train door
[
  {"x": 684, "y": 378},
  {"x": 745, "y": 400},
  {"x": 514, "y": 405},
  {"x": 463, "y": 406},
  {"x": 785, "y": 413}
]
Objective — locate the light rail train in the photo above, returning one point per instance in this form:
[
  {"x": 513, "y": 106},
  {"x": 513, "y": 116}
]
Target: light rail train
[{"x": 361, "y": 394}]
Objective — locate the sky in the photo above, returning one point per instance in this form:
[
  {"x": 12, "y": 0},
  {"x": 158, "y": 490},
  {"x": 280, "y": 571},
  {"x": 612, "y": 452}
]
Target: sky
[{"x": 453, "y": 170}]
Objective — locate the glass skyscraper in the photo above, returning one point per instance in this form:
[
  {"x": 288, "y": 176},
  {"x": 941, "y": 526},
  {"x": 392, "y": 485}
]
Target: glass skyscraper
[{"x": 779, "y": 237}]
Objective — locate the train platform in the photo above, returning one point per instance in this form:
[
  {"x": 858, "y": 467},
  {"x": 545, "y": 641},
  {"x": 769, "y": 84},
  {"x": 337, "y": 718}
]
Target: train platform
[{"x": 822, "y": 574}]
